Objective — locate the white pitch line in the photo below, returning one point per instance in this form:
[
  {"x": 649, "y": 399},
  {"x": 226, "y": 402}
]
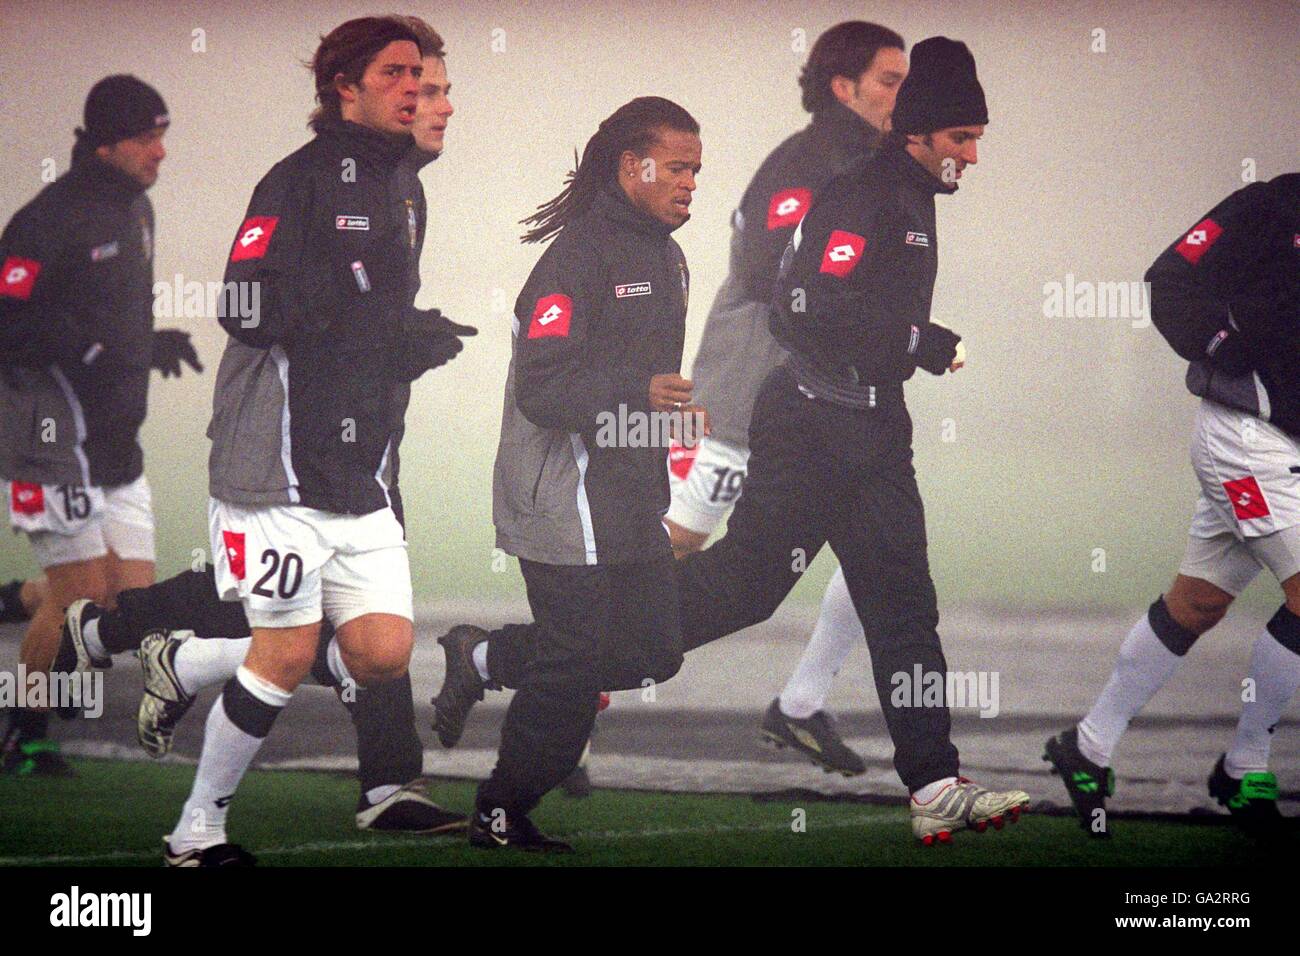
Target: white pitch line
[{"x": 414, "y": 841}]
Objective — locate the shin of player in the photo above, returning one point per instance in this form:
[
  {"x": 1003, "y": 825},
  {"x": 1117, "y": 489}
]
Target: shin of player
[
  {"x": 1225, "y": 296},
  {"x": 78, "y": 343},
  {"x": 320, "y": 536},
  {"x": 849, "y": 85}
]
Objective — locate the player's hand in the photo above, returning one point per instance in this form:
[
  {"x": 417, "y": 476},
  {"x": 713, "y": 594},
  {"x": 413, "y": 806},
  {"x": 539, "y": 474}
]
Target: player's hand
[
  {"x": 692, "y": 426},
  {"x": 960, "y": 360},
  {"x": 429, "y": 340},
  {"x": 669, "y": 392},
  {"x": 936, "y": 349},
  {"x": 170, "y": 348}
]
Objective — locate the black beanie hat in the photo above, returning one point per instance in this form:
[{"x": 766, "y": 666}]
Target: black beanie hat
[
  {"x": 940, "y": 90},
  {"x": 119, "y": 107}
]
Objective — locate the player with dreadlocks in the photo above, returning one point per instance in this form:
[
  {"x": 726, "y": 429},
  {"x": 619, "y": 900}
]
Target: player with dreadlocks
[{"x": 598, "y": 334}]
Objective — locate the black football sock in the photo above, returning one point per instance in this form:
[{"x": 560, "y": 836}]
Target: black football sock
[{"x": 11, "y": 603}]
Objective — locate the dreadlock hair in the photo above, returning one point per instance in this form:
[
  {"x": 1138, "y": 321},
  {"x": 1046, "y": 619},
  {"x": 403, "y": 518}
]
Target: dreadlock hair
[
  {"x": 633, "y": 126},
  {"x": 348, "y": 49}
]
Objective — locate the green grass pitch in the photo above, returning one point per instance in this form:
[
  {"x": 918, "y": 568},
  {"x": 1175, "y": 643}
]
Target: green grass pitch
[{"x": 114, "y": 814}]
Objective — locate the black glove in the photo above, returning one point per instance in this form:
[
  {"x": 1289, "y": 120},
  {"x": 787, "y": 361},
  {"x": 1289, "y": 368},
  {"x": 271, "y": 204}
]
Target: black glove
[
  {"x": 429, "y": 340},
  {"x": 170, "y": 348},
  {"x": 936, "y": 348}
]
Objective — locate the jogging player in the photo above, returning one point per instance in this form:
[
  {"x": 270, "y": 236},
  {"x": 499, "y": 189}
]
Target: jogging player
[
  {"x": 308, "y": 405},
  {"x": 849, "y": 85},
  {"x": 830, "y": 439},
  {"x": 389, "y": 751},
  {"x": 1226, "y": 296},
  {"x": 598, "y": 333},
  {"x": 77, "y": 343}
]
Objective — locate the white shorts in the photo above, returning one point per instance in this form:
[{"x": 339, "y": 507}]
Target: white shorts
[
  {"x": 1248, "y": 514},
  {"x": 705, "y": 484},
  {"x": 291, "y": 565},
  {"x": 70, "y": 523}
]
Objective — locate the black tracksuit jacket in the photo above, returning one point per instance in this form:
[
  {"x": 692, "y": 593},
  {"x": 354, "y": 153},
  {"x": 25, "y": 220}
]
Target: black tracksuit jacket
[
  {"x": 307, "y": 409},
  {"x": 76, "y": 327},
  {"x": 603, "y": 311},
  {"x": 854, "y": 293},
  {"x": 1236, "y": 272}
]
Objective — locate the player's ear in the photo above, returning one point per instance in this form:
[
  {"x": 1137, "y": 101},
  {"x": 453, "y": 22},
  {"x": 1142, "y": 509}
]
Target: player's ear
[
  {"x": 347, "y": 92},
  {"x": 843, "y": 88},
  {"x": 629, "y": 163}
]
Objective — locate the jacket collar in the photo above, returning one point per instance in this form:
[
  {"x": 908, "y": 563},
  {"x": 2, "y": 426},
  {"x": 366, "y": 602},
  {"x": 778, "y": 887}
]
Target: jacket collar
[
  {"x": 846, "y": 129},
  {"x": 369, "y": 145},
  {"x": 95, "y": 176},
  {"x": 612, "y": 203},
  {"x": 912, "y": 173},
  {"x": 415, "y": 159}
]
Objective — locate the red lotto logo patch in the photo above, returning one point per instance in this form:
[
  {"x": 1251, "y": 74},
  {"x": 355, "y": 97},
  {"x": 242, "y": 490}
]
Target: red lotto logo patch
[
  {"x": 1198, "y": 240},
  {"x": 26, "y": 499},
  {"x": 843, "y": 252},
  {"x": 681, "y": 458},
  {"x": 551, "y": 317},
  {"x": 234, "y": 542},
  {"x": 18, "y": 277},
  {"x": 787, "y": 207},
  {"x": 254, "y": 238},
  {"x": 1247, "y": 499}
]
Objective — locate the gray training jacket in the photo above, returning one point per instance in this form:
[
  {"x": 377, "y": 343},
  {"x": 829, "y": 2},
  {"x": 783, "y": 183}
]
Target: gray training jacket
[
  {"x": 738, "y": 351},
  {"x": 603, "y": 311}
]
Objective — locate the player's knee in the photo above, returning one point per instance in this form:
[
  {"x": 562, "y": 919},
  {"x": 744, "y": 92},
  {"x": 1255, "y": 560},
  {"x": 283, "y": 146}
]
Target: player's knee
[
  {"x": 684, "y": 541},
  {"x": 1195, "y": 610},
  {"x": 291, "y": 664},
  {"x": 1178, "y": 626},
  {"x": 387, "y": 661}
]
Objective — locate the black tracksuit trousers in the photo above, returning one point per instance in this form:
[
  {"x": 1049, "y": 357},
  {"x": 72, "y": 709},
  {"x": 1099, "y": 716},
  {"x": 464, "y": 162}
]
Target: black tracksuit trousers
[
  {"x": 819, "y": 473},
  {"x": 596, "y": 627}
]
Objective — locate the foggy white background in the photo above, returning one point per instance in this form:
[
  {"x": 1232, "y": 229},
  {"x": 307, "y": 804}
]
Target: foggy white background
[{"x": 1070, "y": 435}]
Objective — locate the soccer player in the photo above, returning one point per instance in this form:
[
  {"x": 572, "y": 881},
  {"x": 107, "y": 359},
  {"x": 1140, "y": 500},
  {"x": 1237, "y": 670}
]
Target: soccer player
[
  {"x": 598, "y": 335},
  {"x": 389, "y": 751},
  {"x": 849, "y": 85},
  {"x": 77, "y": 343},
  {"x": 1226, "y": 296},
  {"x": 309, "y": 402},
  {"x": 830, "y": 441}
]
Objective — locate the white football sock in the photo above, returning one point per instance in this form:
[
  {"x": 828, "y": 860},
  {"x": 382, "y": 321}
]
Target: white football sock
[
  {"x": 838, "y": 630},
  {"x": 1276, "y": 672},
  {"x": 932, "y": 790},
  {"x": 227, "y": 754},
  {"x": 90, "y": 635},
  {"x": 479, "y": 656},
  {"x": 202, "y": 662},
  {"x": 1143, "y": 666}
]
